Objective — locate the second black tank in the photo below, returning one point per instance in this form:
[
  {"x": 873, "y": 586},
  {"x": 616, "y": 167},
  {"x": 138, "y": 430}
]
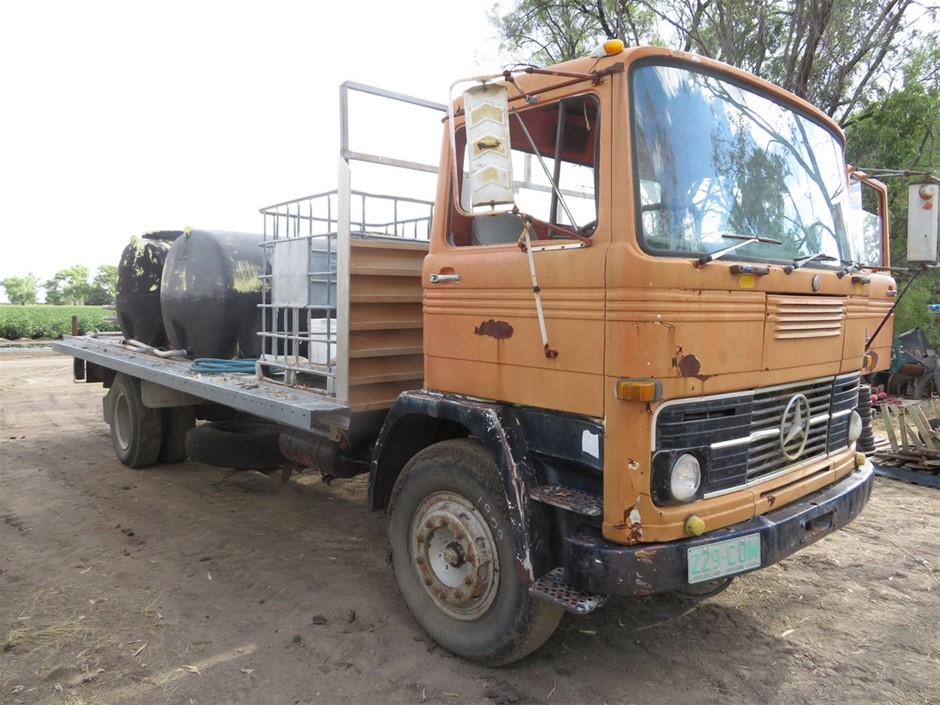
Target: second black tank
[{"x": 210, "y": 293}]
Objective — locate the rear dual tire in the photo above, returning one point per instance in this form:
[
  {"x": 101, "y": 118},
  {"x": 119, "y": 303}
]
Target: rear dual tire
[{"x": 136, "y": 430}]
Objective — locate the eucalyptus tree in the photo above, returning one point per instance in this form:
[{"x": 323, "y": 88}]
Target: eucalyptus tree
[{"x": 830, "y": 52}]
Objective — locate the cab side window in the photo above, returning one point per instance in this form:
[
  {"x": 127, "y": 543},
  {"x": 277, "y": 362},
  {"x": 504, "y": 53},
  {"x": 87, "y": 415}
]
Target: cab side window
[{"x": 867, "y": 223}]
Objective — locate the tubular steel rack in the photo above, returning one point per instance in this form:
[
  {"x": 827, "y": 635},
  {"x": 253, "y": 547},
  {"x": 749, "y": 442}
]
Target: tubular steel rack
[{"x": 307, "y": 254}]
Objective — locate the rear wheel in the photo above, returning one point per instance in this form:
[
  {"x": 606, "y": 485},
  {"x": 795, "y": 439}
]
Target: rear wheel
[
  {"x": 177, "y": 420},
  {"x": 136, "y": 430},
  {"x": 454, "y": 555}
]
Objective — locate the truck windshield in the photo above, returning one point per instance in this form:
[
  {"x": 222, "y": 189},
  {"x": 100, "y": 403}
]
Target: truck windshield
[{"x": 716, "y": 160}]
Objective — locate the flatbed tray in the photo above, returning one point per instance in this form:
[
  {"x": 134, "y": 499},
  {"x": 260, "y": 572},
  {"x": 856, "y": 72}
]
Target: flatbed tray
[{"x": 297, "y": 407}]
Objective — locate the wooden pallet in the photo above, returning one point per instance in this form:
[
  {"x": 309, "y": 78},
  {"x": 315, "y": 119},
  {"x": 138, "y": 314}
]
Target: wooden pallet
[{"x": 911, "y": 452}]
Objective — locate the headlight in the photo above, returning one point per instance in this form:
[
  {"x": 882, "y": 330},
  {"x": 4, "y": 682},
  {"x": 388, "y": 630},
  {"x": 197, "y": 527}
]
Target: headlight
[
  {"x": 855, "y": 427},
  {"x": 686, "y": 476}
]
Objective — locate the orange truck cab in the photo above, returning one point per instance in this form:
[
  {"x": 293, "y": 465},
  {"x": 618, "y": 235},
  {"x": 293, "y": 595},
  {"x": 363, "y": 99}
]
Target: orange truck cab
[{"x": 642, "y": 366}]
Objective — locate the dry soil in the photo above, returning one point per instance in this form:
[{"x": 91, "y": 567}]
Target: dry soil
[{"x": 188, "y": 584}]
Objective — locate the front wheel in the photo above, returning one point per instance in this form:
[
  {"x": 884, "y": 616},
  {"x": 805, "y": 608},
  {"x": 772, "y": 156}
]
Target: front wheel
[{"x": 454, "y": 556}]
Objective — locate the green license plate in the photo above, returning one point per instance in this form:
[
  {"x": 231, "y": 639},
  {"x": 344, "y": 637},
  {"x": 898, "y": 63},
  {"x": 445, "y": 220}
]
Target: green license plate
[{"x": 723, "y": 558}]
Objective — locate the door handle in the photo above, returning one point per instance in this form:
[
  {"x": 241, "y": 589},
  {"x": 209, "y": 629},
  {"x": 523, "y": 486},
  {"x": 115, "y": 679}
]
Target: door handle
[{"x": 438, "y": 278}]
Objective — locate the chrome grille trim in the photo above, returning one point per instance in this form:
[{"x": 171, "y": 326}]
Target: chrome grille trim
[{"x": 739, "y": 433}]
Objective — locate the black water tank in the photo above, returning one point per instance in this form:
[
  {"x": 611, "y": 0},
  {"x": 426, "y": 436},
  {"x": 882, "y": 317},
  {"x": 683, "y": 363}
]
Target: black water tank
[
  {"x": 210, "y": 293},
  {"x": 137, "y": 295}
]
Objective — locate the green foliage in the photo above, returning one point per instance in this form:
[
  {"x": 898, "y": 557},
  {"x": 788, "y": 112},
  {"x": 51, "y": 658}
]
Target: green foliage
[
  {"x": 912, "y": 311},
  {"x": 21, "y": 290},
  {"x": 44, "y": 321},
  {"x": 103, "y": 286},
  {"x": 549, "y": 32},
  {"x": 900, "y": 130},
  {"x": 68, "y": 286},
  {"x": 833, "y": 52}
]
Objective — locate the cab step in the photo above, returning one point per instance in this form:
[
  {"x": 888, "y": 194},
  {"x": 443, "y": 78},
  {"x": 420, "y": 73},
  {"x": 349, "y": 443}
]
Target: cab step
[
  {"x": 576, "y": 501},
  {"x": 552, "y": 587}
]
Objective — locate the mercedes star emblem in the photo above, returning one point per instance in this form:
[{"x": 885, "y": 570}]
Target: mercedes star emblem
[{"x": 794, "y": 427}]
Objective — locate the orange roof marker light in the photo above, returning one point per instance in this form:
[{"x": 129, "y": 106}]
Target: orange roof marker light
[{"x": 609, "y": 48}]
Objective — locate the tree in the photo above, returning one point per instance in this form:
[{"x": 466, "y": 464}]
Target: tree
[
  {"x": 103, "y": 286},
  {"x": 21, "y": 290},
  {"x": 68, "y": 286},
  {"x": 830, "y": 52},
  {"x": 546, "y": 32},
  {"x": 900, "y": 131}
]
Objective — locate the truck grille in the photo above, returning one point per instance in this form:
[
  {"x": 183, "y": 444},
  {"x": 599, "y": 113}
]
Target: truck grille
[{"x": 739, "y": 436}]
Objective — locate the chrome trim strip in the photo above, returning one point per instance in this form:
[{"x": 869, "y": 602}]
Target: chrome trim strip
[
  {"x": 766, "y": 478},
  {"x": 763, "y": 433}
]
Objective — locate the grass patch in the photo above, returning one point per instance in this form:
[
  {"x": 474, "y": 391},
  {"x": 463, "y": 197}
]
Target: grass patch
[
  {"x": 44, "y": 321},
  {"x": 55, "y": 635}
]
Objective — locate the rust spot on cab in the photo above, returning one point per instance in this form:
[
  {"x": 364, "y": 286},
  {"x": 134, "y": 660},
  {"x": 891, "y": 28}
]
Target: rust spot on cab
[
  {"x": 500, "y": 330},
  {"x": 688, "y": 365},
  {"x": 633, "y": 528},
  {"x": 770, "y": 500}
]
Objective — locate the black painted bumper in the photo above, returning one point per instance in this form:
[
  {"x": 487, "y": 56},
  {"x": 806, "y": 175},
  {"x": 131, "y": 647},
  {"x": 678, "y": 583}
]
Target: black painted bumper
[{"x": 602, "y": 567}]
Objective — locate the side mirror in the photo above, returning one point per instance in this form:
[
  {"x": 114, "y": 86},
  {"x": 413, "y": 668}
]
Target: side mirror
[
  {"x": 923, "y": 223},
  {"x": 486, "y": 107}
]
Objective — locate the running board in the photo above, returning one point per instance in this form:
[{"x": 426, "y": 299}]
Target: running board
[
  {"x": 552, "y": 587},
  {"x": 576, "y": 501}
]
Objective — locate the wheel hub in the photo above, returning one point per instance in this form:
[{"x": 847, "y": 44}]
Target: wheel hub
[{"x": 455, "y": 555}]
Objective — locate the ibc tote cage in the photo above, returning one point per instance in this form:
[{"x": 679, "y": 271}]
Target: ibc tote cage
[{"x": 307, "y": 251}]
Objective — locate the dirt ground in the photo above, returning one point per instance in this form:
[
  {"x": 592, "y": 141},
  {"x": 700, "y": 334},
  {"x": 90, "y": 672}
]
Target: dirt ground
[{"x": 187, "y": 584}]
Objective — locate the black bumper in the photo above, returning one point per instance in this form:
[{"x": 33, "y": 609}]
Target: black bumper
[{"x": 601, "y": 567}]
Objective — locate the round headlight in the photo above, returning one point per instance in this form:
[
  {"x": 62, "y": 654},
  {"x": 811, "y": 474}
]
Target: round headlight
[
  {"x": 855, "y": 427},
  {"x": 685, "y": 477}
]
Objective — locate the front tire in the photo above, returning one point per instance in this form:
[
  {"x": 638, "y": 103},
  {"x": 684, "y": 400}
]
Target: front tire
[
  {"x": 136, "y": 430},
  {"x": 454, "y": 555}
]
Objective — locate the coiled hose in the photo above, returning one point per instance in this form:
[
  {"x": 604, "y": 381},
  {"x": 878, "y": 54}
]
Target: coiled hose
[{"x": 214, "y": 365}]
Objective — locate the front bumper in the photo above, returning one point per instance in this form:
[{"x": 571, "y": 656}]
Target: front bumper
[{"x": 598, "y": 566}]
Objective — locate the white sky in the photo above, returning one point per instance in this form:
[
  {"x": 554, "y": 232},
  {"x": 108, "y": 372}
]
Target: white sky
[{"x": 120, "y": 117}]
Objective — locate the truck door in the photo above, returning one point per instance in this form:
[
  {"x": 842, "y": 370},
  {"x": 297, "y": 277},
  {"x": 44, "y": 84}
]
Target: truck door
[
  {"x": 483, "y": 333},
  {"x": 870, "y": 228}
]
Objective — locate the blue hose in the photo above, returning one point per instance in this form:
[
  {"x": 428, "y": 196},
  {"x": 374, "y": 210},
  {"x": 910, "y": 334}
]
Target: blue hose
[{"x": 214, "y": 365}]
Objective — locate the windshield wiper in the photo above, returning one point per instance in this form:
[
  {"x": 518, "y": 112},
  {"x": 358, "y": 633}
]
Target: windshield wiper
[
  {"x": 745, "y": 239},
  {"x": 806, "y": 259}
]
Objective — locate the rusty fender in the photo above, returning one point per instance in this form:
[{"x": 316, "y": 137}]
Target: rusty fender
[{"x": 415, "y": 413}]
